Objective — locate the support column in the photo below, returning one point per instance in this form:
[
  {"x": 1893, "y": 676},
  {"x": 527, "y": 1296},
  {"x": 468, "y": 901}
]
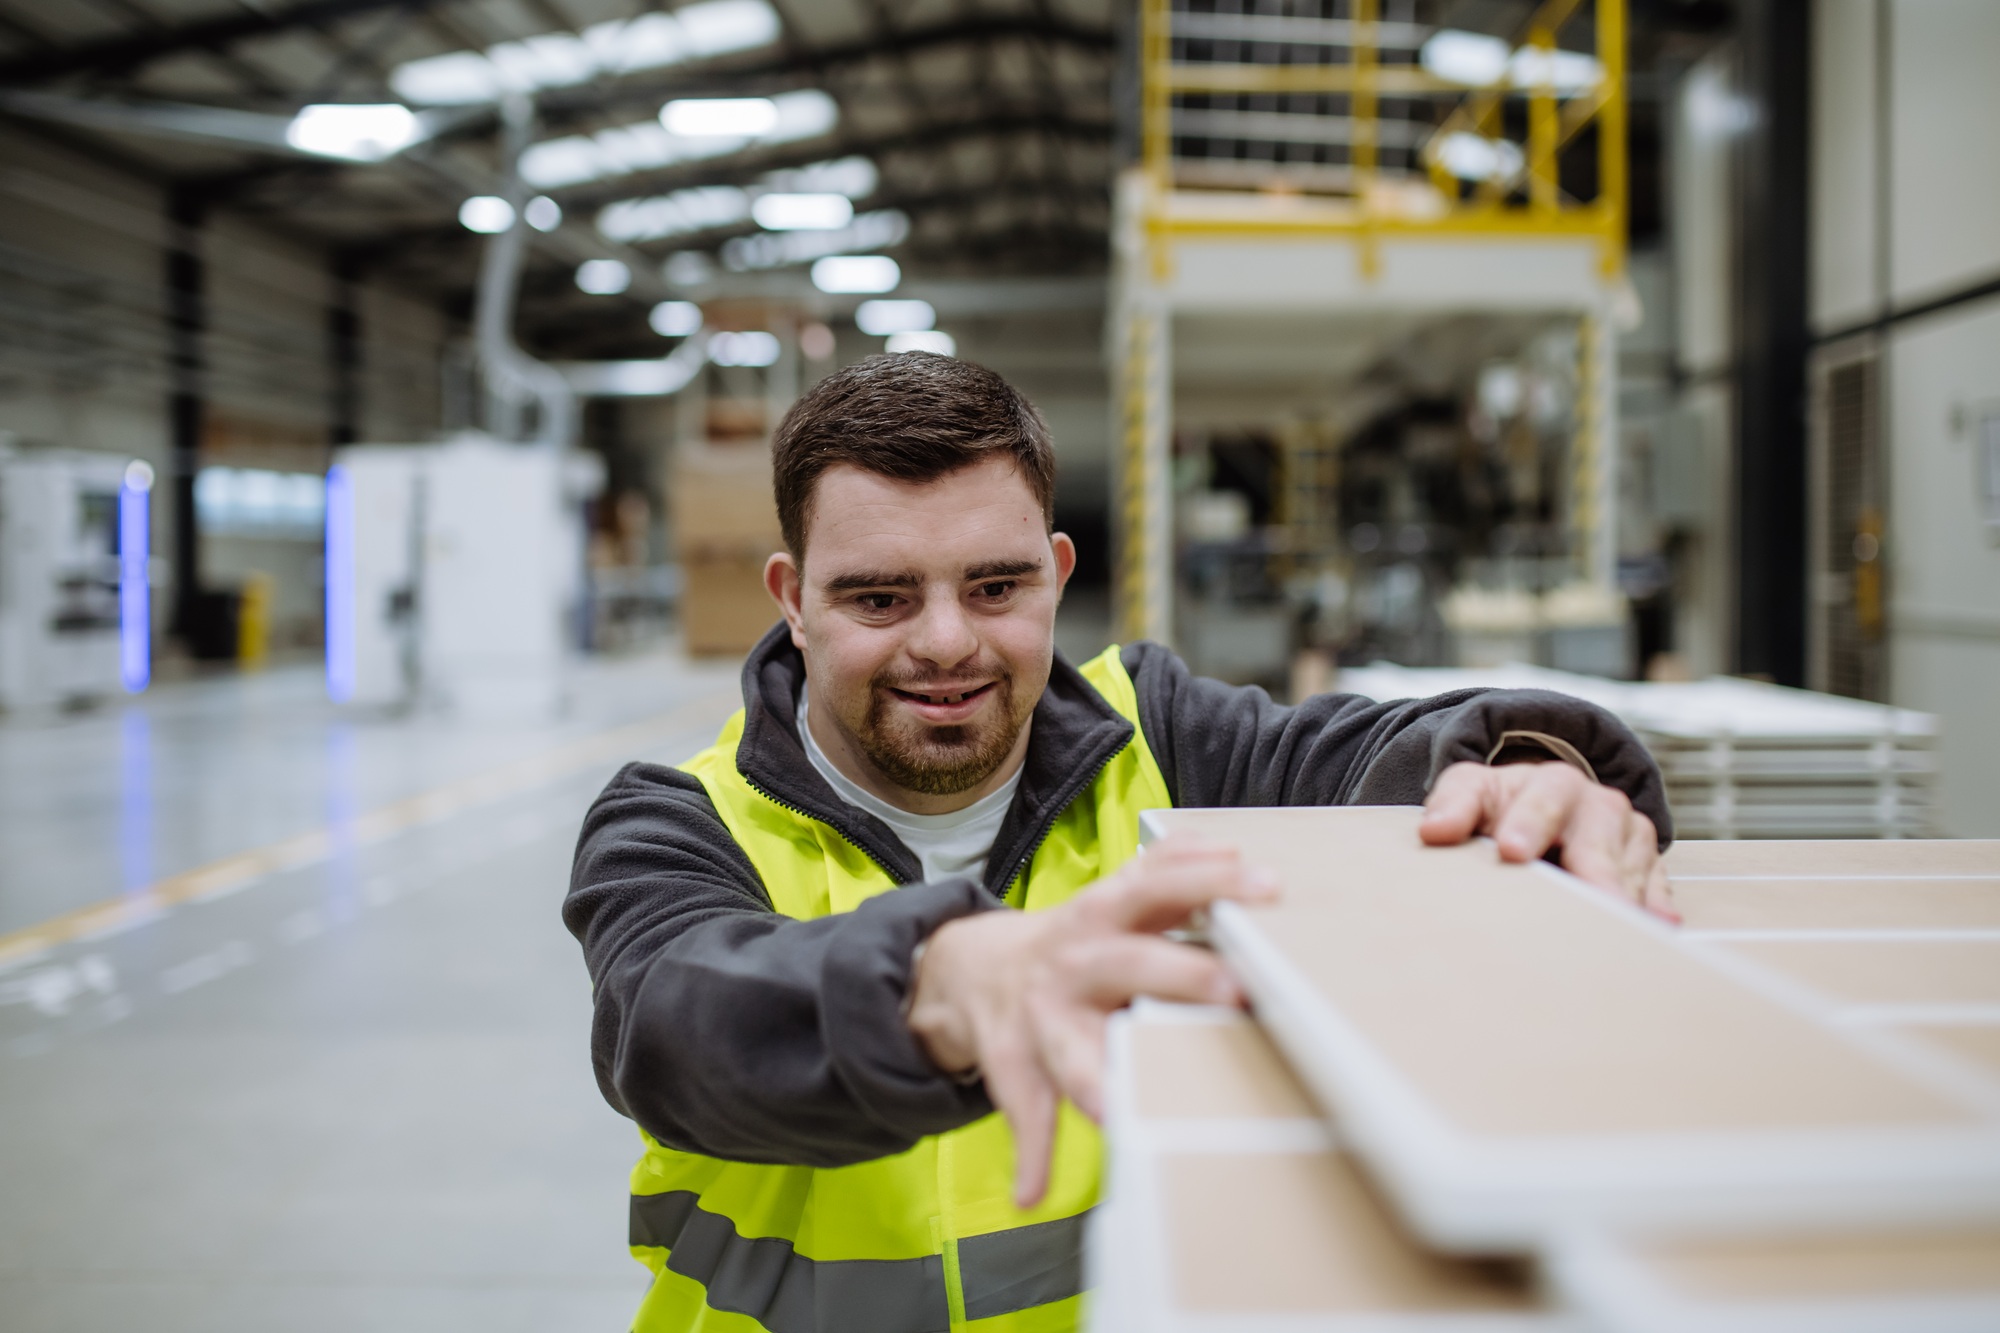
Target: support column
[
  {"x": 1143, "y": 581},
  {"x": 1594, "y": 455},
  {"x": 186, "y": 320},
  {"x": 343, "y": 352},
  {"x": 1772, "y": 343}
]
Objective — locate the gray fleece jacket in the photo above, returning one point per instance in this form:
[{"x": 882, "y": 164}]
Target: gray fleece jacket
[{"x": 724, "y": 1028}]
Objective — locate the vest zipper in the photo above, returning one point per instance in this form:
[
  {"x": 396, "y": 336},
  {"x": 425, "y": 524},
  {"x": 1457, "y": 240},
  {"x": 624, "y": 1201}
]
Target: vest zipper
[
  {"x": 803, "y": 813},
  {"x": 1021, "y": 864}
]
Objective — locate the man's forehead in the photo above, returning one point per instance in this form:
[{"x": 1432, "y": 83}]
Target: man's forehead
[{"x": 983, "y": 512}]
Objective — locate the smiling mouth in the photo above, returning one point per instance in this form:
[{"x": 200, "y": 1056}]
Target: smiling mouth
[{"x": 960, "y": 697}]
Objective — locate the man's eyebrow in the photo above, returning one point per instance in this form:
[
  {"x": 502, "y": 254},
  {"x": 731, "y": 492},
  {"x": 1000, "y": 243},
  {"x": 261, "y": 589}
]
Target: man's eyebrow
[
  {"x": 1002, "y": 569},
  {"x": 869, "y": 578}
]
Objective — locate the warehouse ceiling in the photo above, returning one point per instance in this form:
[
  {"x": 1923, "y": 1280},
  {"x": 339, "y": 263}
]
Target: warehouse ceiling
[
  {"x": 981, "y": 129},
  {"x": 975, "y": 137}
]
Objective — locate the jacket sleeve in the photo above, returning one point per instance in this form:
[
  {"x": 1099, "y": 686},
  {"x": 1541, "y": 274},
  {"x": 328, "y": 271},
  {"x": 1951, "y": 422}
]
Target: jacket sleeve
[
  {"x": 1229, "y": 745},
  {"x": 725, "y": 1028}
]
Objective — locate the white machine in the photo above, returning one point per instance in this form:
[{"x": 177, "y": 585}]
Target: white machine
[
  {"x": 60, "y": 575},
  {"x": 455, "y": 574}
]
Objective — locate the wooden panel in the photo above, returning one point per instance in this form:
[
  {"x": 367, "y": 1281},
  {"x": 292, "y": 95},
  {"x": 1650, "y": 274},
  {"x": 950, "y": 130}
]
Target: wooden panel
[
  {"x": 1804, "y": 859},
  {"x": 1827, "y": 1266},
  {"x": 1976, "y": 1043},
  {"x": 1303, "y": 1233},
  {"x": 1511, "y": 1050},
  {"x": 1885, "y": 971},
  {"x": 1838, "y": 904},
  {"x": 1209, "y": 1070}
]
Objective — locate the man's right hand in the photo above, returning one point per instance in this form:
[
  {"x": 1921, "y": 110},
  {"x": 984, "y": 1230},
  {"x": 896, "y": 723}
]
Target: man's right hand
[{"x": 1023, "y": 997}]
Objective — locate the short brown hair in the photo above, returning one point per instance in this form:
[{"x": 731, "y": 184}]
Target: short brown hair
[{"x": 914, "y": 416}]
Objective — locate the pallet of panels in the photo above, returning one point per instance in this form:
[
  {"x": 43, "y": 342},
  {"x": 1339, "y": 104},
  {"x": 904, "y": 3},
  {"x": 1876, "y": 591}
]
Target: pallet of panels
[
  {"x": 1230, "y": 1207},
  {"x": 1742, "y": 759},
  {"x": 1517, "y": 1055}
]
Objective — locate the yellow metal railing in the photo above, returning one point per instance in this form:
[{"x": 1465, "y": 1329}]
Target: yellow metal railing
[{"x": 1527, "y": 202}]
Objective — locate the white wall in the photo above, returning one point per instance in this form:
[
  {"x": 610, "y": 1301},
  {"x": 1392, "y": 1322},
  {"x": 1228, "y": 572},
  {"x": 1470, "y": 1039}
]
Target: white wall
[
  {"x": 1944, "y": 146},
  {"x": 1845, "y": 287},
  {"x": 84, "y": 345},
  {"x": 1938, "y": 115},
  {"x": 1944, "y": 564}
]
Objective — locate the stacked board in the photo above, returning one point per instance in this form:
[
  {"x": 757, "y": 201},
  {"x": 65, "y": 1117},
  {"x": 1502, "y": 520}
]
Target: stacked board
[
  {"x": 1741, "y": 759},
  {"x": 1784, "y": 1115}
]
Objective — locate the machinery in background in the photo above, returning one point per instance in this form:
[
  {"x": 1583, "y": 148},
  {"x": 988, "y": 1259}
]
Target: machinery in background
[
  {"x": 75, "y": 605},
  {"x": 455, "y": 575}
]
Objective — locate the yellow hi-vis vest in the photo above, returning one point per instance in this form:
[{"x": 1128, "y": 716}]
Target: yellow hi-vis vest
[{"x": 926, "y": 1240}]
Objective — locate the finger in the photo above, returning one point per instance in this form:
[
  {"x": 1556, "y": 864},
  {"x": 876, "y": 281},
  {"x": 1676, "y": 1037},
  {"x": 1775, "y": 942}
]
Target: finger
[
  {"x": 1458, "y": 804},
  {"x": 1593, "y": 842},
  {"x": 1161, "y": 894},
  {"x": 1024, "y": 1094},
  {"x": 1072, "y": 1041},
  {"x": 1111, "y": 973},
  {"x": 1533, "y": 815},
  {"x": 1642, "y": 849}
]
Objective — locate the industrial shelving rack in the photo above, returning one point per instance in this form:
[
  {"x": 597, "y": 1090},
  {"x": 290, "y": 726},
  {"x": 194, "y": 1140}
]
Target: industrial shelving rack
[{"x": 1334, "y": 188}]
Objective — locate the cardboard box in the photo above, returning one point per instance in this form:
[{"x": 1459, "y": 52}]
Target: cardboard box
[
  {"x": 724, "y": 608},
  {"x": 720, "y": 499}
]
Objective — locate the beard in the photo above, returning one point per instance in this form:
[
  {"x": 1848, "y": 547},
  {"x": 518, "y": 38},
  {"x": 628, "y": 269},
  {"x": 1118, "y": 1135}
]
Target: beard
[{"x": 939, "y": 761}]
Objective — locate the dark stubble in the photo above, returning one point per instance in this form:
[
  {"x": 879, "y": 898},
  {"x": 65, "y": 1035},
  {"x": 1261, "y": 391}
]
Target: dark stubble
[{"x": 939, "y": 761}]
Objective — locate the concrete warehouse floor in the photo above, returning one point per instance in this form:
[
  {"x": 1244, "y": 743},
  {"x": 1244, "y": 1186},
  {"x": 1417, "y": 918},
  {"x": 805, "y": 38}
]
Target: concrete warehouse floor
[{"x": 318, "y": 1060}]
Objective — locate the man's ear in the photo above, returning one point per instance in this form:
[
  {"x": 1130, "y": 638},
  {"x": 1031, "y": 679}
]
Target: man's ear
[
  {"x": 1065, "y": 552},
  {"x": 786, "y": 585}
]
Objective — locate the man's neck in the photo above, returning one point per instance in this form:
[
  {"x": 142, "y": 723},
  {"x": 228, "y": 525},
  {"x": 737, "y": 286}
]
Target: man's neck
[{"x": 857, "y": 768}]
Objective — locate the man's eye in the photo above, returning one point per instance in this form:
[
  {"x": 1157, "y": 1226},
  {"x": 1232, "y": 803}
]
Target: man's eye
[
  {"x": 878, "y": 601},
  {"x": 995, "y": 590}
]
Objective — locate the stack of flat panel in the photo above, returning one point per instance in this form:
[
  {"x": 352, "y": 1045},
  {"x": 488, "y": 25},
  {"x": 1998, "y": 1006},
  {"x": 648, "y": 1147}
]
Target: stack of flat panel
[
  {"x": 1231, "y": 1209},
  {"x": 1742, "y": 759},
  {"x": 1785, "y": 1115}
]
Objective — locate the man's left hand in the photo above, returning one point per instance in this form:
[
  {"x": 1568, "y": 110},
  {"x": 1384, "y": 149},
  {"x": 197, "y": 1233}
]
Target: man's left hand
[{"x": 1529, "y": 808}]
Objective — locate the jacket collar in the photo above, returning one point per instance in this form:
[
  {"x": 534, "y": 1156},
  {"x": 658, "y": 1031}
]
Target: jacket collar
[{"x": 1075, "y": 734}]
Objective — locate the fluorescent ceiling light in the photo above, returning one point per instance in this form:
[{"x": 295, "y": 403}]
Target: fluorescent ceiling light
[
  {"x": 702, "y": 207},
  {"x": 564, "y": 59},
  {"x": 1480, "y": 61},
  {"x": 649, "y": 144},
  {"x": 1474, "y": 157},
  {"x": 775, "y": 249},
  {"x": 1471, "y": 58},
  {"x": 922, "y": 340},
  {"x": 688, "y": 268},
  {"x": 802, "y": 212},
  {"x": 676, "y": 214},
  {"x": 883, "y": 317},
  {"x": 542, "y": 213},
  {"x": 1566, "y": 72},
  {"x": 751, "y": 348},
  {"x": 487, "y": 214},
  {"x": 603, "y": 277},
  {"x": 675, "y": 319},
  {"x": 841, "y": 274},
  {"x": 734, "y": 117},
  {"x": 854, "y": 177},
  {"x": 354, "y": 132}
]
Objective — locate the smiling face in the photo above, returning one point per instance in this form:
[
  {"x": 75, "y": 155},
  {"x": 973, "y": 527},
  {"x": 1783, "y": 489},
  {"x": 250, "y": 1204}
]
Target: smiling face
[{"x": 926, "y": 615}]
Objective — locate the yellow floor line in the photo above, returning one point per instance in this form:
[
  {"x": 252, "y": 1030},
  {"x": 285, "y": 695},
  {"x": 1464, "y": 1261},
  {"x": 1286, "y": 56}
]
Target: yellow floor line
[{"x": 231, "y": 873}]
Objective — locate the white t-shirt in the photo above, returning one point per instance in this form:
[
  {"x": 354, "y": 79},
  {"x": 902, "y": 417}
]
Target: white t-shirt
[{"x": 953, "y": 844}]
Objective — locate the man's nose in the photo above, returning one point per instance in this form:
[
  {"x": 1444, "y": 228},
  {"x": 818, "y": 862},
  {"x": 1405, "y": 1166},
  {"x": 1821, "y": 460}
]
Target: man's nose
[{"x": 943, "y": 634}]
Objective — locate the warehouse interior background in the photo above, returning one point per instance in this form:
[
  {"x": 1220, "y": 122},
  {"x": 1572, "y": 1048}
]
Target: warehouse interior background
[{"x": 384, "y": 393}]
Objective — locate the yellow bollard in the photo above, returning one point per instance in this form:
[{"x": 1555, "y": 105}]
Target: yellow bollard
[{"x": 253, "y": 623}]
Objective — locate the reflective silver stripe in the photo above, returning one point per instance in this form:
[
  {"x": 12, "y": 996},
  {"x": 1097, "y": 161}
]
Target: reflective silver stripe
[
  {"x": 1005, "y": 1271},
  {"x": 764, "y": 1278}
]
